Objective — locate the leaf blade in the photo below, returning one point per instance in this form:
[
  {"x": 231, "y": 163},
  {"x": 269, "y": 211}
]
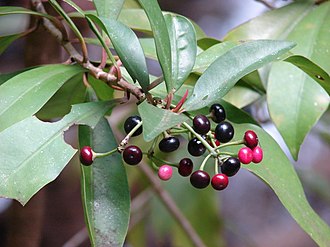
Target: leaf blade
[{"x": 108, "y": 9}]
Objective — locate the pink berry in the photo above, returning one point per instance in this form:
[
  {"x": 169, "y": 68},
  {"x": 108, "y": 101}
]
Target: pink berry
[
  {"x": 245, "y": 155},
  {"x": 257, "y": 154},
  {"x": 165, "y": 172},
  {"x": 219, "y": 181},
  {"x": 251, "y": 139}
]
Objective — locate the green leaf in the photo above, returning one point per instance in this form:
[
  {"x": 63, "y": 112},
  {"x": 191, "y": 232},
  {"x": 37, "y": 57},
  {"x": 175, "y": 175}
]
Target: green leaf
[
  {"x": 10, "y": 10},
  {"x": 276, "y": 171},
  {"x": 71, "y": 93},
  {"x": 206, "y": 43},
  {"x": 5, "y": 41},
  {"x": 224, "y": 72},
  {"x": 102, "y": 90},
  {"x": 183, "y": 48},
  {"x": 161, "y": 36},
  {"x": 307, "y": 98},
  {"x": 312, "y": 69},
  {"x": 157, "y": 120},
  {"x": 108, "y": 9},
  {"x": 25, "y": 94},
  {"x": 33, "y": 153},
  {"x": 128, "y": 48},
  {"x": 149, "y": 48},
  {"x": 105, "y": 191}
]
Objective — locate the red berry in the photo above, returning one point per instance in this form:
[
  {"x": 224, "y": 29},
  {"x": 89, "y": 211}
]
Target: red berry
[
  {"x": 201, "y": 124},
  {"x": 185, "y": 167},
  {"x": 200, "y": 179},
  {"x": 251, "y": 139},
  {"x": 257, "y": 154},
  {"x": 219, "y": 181},
  {"x": 132, "y": 155},
  {"x": 86, "y": 155},
  {"x": 245, "y": 155},
  {"x": 165, "y": 172}
]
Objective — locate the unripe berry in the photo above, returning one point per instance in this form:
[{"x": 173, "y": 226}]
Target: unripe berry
[
  {"x": 257, "y": 154},
  {"x": 86, "y": 155},
  {"x": 219, "y": 181},
  {"x": 245, "y": 155},
  {"x": 165, "y": 172}
]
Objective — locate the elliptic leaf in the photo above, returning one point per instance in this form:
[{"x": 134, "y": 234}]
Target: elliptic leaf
[
  {"x": 10, "y": 10},
  {"x": 128, "y": 48},
  {"x": 183, "y": 47},
  {"x": 33, "y": 153},
  {"x": 108, "y": 9},
  {"x": 161, "y": 36},
  {"x": 105, "y": 191},
  {"x": 157, "y": 120},
  {"x": 224, "y": 72},
  {"x": 23, "y": 95}
]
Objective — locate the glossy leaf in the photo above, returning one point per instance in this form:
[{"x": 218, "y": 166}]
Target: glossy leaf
[
  {"x": 205, "y": 43},
  {"x": 224, "y": 72},
  {"x": 108, "y": 9},
  {"x": 149, "y": 48},
  {"x": 5, "y": 41},
  {"x": 105, "y": 191},
  {"x": 127, "y": 47},
  {"x": 307, "y": 101},
  {"x": 277, "y": 171},
  {"x": 25, "y": 94},
  {"x": 34, "y": 152},
  {"x": 157, "y": 120},
  {"x": 183, "y": 48},
  {"x": 161, "y": 37}
]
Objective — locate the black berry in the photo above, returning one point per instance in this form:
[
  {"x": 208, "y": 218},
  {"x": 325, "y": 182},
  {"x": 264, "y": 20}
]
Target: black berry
[
  {"x": 224, "y": 132},
  {"x": 169, "y": 144},
  {"x": 219, "y": 181},
  {"x": 218, "y": 113},
  {"x": 86, "y": 156},
  {"x": 185, "y": 167},
  {"x": 196, "y": 147},
  {"x": 231, "y": 166},
  {"x": 251, "y": 139},
  {"x": 132, "y": 155},
  {"x": 201, "y": 124},
  {"x": 130, "y": 123},
  {"x": 200, "y": 179}
]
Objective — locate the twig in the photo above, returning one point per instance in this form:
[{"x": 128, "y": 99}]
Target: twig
[
  {"x": 171, "y": 206},
  {"x": 267, "y": 4},
  {"x": 58, "y": 31}
]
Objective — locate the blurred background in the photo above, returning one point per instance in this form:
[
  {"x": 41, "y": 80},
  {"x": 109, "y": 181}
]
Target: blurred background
[{"x": 247, "y": 213}]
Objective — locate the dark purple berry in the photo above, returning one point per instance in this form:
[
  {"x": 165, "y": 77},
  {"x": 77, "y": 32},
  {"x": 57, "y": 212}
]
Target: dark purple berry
[
  {"x": 201, "y": 124},
  {"x": 169, "y": 144},
  {"x": 130, "y": 123},
  {"x": 132, "y": 155},
  {"x": 224, "y": 132},
  {"x": 219, "y": 181},
  {"x": 86, "y": 156},
  {"x": 251, "y": 139},
  {"x": 218, "y": 113},
  {"x": 185, "y": 167},
  {"x": 200, "y": 179},
  {"x": 231, "y": 166},
  {"x": 196, "y": 147}
]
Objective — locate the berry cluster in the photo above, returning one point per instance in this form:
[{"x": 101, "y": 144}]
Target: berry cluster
[{"x": 205, "y": 137}]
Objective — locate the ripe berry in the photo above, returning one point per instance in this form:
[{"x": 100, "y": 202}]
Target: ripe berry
[
  {"x": 196, "y": 147},
  {"x": 218, "y": 113},
  {"x": 86, "y": 156},
  {"x": 130, "y": 123},
  {"x": 169, "y": 144},
  {"x": 185, "y": 167},
  {"x": 201, "y": 124},
  {"x": 245, "y": 155},
  {"x": 219, "y": 181},
  {"x": 224, "y": 132},
  {"x": 250, "y": 139},
  {"x": 231, "y": 166},
  {"x": 165, "y": 172},
  {"x": 257, "y": 154},
  {"x": 132, "y": 155},
  {"x": 200, "y": 179}
]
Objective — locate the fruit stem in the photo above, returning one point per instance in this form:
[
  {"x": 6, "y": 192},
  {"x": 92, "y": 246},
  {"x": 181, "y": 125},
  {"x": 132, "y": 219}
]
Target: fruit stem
[
  {"x": 204, "y": 161},
  {"x": 240, "y": 142},
  {"x": 205, "y": 143},
  {"x": 154, "y": 158},
  {"x": 216, "y": 166},
  {"x": 124, "y": 142},
  {"x": 100, "y": 155}
]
